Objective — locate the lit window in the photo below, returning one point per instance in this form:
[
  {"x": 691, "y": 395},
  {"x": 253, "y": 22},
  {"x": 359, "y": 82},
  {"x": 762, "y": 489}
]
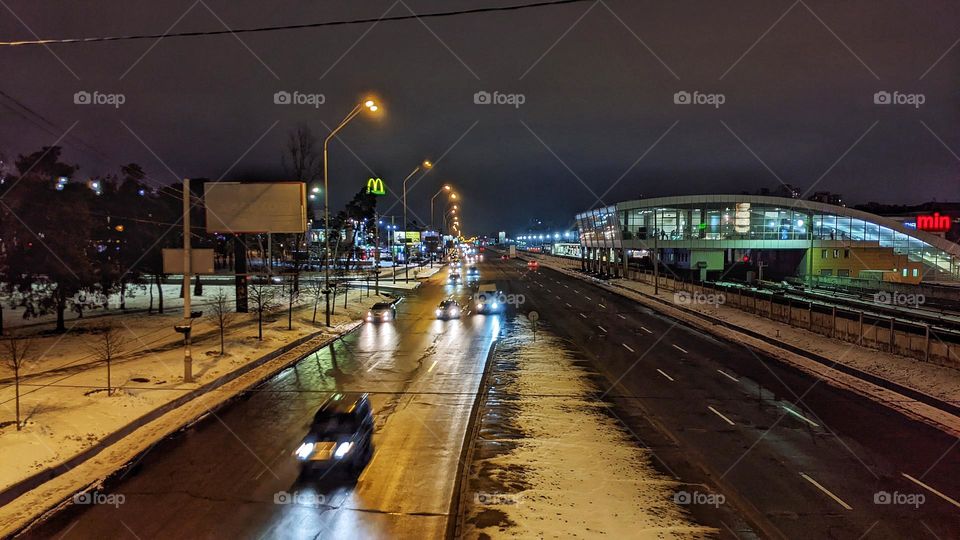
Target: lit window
[{"x": 916, "y": 272}]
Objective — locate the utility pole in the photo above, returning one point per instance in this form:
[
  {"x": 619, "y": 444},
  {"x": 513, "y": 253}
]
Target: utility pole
[
  {"x": 187, "y": 319},
  {"x": 393, "y": 226},
  {"x": 656, "y": 255},
  {"x": 376, "y": 254}
]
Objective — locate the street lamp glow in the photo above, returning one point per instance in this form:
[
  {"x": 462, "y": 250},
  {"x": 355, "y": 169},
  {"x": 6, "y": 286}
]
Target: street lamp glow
[
  {"x": 427, "y": 164},
  {"x": 316, "y": 189},
  {"x": 371, "y": 105}
]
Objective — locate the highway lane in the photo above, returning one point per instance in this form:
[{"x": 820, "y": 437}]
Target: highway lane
[
  {"x": 798, "y": 458},
  {"x": 232, "y": 475}
]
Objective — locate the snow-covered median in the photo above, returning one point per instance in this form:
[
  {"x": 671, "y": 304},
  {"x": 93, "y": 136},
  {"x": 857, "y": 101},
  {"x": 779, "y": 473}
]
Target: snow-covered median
[{"x": 551, "y": 462}]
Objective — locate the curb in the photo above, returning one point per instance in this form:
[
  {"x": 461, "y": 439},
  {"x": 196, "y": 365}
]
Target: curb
[
  {"x": 36, "y": 480},
  {"x": 466, "y": 451}
]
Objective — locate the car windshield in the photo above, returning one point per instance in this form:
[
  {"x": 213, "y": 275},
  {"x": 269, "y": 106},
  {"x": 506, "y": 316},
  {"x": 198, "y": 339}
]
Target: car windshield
[
  {"x": 333, "y": 424},
  {"x": 381, "y": 305},
  {"x": 447, "y": 304}
]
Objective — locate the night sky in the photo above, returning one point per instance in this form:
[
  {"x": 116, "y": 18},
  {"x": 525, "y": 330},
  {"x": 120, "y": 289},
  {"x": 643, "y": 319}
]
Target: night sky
[{"x": 598, "y": 122}]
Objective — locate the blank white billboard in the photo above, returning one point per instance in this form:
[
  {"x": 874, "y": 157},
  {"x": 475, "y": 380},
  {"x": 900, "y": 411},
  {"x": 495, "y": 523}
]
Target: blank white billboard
[
  {"x": 273, "y": 207},
  {"x": 201, "y": 261}
]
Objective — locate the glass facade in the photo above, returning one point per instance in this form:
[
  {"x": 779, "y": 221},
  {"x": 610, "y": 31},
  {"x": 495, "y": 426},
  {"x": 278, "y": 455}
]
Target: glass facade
[{"x": 744, "y": 222}]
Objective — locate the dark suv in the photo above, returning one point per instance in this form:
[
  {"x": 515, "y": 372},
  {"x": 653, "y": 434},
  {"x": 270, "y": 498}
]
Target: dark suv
[{"x": 340, "y": 436}]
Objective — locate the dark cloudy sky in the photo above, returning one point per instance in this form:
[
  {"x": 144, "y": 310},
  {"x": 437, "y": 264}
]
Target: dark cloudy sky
[{"x": 598, "y": 122}]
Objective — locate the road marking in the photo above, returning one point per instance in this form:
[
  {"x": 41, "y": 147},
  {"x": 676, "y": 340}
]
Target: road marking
[
  {"x": 548, "y": 289},
  {"x": 433, "y": 366},
  {"x": 621, "y": 316},
  {"x": 800, "y": 416},
  {"x": 669, "y": 378},
  {"x": 565, "y": 285},
  {"x": 602, "y": 329},
  {"x": 603, "y": 306},
  {"x": 681, "y": 349},
  {"x": 827, "y": 491},
  {"x": 558, "y": 296},
  {"x": 567, "y": 304},
  {"x": 627, "y": 347},
  {"x": 368, "y": 467},
  {"x": 588, "y": 298},
  {"x": 582, "y": 315},
  {"x": 718, "y": 413},
  {"x": 941, "y": 495},
  {"x": 727, "y": 375}
]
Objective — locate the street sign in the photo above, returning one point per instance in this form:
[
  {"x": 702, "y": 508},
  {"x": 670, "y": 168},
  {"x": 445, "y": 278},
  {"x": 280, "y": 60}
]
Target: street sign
[{"x": 533, "y": 316}]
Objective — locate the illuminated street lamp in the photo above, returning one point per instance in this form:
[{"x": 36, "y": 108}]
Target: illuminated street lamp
[
  {"x": 371, "y": 106},
  {"x": 425, "y": 166},
  {"x": 446, "y": 187}
]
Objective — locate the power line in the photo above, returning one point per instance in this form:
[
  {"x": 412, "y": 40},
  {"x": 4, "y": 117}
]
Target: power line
[{"x": 412, "y": 16}]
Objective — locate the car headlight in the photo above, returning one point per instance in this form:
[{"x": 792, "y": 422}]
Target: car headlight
[
  {"x": 479, "y": 306},
  {"x": 342, "y": 449},
  {"x": 494, "y": 305},
  {"x": 439, "y": 312},
  {"x": 454, "y": 311},
  {"x": 305, "y": 450}
]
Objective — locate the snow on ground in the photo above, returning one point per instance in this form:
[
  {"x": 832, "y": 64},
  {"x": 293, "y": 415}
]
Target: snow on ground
[
  {"x": 66, "y": 409},
  {"x": 940, "y": 381},
  {"x": 566, "y": 468}
]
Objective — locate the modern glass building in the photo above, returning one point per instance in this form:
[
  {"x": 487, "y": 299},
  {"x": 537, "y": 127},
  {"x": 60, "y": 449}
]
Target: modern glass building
[{"x": 710, "y": 232}]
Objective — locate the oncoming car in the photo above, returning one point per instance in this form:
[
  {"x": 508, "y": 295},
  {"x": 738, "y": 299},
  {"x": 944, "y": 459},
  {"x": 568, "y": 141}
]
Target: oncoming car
[
  {"x": 382, "y": 312},
  {"x": 448, "y": 309},
  {"x": 454, "y": 278},
  {"x": 489, "y": 299},
  {"x": 340, "y": 435},
  {"x": 473, "y": 273}
]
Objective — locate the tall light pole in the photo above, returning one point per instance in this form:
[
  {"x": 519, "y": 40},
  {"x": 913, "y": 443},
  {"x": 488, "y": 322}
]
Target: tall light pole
[
  {"x": 372, "y": 107},
  {"x": 425, "y": 166},
  {"x": 446, "y": 187}
]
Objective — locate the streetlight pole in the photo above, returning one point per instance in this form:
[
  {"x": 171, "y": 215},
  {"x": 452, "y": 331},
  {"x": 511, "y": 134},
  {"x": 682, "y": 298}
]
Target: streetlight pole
[
  {"x": 370, "y": 105},
  {"x": 426, "y": 166}
]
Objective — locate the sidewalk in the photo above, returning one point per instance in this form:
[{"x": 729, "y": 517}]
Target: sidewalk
[{"x": 68, "y": 411}]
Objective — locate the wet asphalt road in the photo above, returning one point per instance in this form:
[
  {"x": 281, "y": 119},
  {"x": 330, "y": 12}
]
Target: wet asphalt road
[
  {"x": 232, "y": 474},
  {"x": 794, "y": 457}
]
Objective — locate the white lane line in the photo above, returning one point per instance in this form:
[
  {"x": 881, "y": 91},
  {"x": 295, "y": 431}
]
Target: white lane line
[
  {"x": 558, "y": 296},
  {"x": 368, "y": 467},
  {"x": 621, "y": 316},
  {"x": 627, "y": 347},
  {"x": 567, "y": 304},
  {"x": 582, "y": 315},
  {"x": 727, "y": 375},
  {"x": 718, "y": 413},
  {"x": 433, "y": 366},
  {"x": 644, "y": 328},
  {"x": 588, "y": 298},
  {"x": 800, "y": 416},
  {"x": 827, "y": 491},
  {"x": 935, "y": 492},
  {"x": 602, "y": 306},
  {"x": 669, "y": 378},
  {"x": 681, "y": 349},
  {"x": 602, "y": 329},
  {"x": 565, "y": 285}
]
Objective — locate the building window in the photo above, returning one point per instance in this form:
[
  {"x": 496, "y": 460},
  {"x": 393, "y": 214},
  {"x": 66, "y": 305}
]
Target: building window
[
  {"x": 846, "y": 254},
  {"x": 823, "y": 254},
  {"x": 916, "y": 272},
  {"x": 904, "y": 272},
  {"x": 826, "y": 272},
  {"x": 836, "y": 254},
  {"x": 843, "y": 273}
]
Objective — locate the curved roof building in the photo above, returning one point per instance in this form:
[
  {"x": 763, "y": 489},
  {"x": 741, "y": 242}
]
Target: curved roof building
[{"x": 755, "y": 222}]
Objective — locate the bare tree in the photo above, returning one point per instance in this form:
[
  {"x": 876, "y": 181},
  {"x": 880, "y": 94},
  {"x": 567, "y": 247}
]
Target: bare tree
[
  {"x": 300, "y": 156},
  {"x": 263, "y": 296},
  {"x": 16, "y": 350},
  {"x": 107, "y": 346},
  {"x": 315, "y": 289},
  {"x": 220, "y": 314}
]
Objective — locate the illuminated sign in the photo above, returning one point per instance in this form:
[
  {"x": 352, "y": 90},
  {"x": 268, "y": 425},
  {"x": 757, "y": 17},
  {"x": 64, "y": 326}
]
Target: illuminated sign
[
  {"x": 934, "y": 223},
  {"x": 741, "y": 220},
  {"x": 375, "y": 187}
]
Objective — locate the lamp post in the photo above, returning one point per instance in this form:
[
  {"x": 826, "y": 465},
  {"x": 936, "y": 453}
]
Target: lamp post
[
  {"x": 446, "y": 187},
  {"x": 372, "y": 107},
  {"x": 425, "y": 166}
]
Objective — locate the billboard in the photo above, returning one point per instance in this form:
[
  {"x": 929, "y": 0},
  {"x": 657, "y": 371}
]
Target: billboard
[
  {"x": 270, "y": 207},
  {"x": 201, "y": 261}
]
